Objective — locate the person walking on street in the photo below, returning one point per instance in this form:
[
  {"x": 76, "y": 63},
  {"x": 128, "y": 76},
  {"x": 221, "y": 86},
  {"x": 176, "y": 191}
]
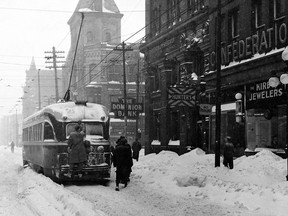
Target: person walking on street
[
  {"x": 12, "y": 144},
  {"x": 228, "y": 153},
  {"x": 122, "y": 159},
  {"x": 76, "y": 150},
  {"x": 136, "y": 147}
]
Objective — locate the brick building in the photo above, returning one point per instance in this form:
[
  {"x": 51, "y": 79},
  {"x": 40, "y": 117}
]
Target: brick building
[{"x": 180, "y": 54}]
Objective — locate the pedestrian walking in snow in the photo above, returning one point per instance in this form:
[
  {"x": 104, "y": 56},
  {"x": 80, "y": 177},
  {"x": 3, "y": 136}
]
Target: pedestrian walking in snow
[
  {"x": 122, "y": 159},
  {"x": 76, "y": 150},
  {"x": 136, "y": 147},
  {"x": 228, "y": 153},
  {"x": 12, "y": 145}
]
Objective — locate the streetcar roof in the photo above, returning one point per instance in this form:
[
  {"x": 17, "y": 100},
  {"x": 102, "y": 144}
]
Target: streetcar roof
[{"x": 70, "y": 111}]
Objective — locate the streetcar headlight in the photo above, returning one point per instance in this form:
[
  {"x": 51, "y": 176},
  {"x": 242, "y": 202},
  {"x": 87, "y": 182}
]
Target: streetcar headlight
[{"x": 100, "y": 149}]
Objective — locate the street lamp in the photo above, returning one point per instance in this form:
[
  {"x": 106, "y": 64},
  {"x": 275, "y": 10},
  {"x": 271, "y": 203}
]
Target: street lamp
[{"x": 274, "y": 82}]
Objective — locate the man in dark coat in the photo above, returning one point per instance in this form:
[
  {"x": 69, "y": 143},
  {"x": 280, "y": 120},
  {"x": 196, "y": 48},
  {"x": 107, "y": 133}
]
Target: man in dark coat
[
  {"x": 76, "y": 150},
  {"x": 122, "y": 159},
  {"x": 136, "y": 147},
  {"x": 228, "y": 153}
]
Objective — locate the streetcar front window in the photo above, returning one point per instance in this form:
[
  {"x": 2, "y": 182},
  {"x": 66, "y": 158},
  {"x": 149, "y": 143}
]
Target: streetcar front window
[{"x": 94, "y": 129}]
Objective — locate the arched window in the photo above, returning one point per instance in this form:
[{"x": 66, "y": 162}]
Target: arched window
[
  {"x": 89, "y": 37},
  {"x": 107, "y": 37}
]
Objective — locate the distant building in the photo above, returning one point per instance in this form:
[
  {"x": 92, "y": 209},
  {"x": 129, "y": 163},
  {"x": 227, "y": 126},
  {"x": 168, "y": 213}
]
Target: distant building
[
  {"x": 98, "y": 68},
  {"x": 39, "y": 83}
]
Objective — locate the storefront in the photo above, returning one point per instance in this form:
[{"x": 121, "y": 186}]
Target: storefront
[{"x": 265, "y": 118}]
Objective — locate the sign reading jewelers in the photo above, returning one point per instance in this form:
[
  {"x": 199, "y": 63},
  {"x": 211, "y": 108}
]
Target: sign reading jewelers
[
  {"x": 262, "y": 93},
  {"x": 133, "y": 108}
]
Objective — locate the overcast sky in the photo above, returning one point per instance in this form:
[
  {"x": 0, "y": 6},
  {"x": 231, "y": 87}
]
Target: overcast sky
[{"x": 31, "y": 27}]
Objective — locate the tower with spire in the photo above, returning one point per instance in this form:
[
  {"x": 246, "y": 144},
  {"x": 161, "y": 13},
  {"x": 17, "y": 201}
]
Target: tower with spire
[{"x": 34, "y": 98}]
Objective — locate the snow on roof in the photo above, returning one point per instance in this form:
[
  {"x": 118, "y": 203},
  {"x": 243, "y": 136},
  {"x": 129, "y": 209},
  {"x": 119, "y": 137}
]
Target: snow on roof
[{"x": 69, "y": 111}]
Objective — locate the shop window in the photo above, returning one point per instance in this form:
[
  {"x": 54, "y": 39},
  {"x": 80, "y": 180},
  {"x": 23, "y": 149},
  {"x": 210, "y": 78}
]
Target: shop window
[
  {"x": 157, "y": 126},
  {"x": 233, "y": 24},
  {"x": 175, "y": 126}
]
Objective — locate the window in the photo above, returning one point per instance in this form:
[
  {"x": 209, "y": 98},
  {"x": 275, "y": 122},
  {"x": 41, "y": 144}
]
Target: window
[
  {"x": 175, "y": 132},
  {"x": 93, "y": 129},
  {"x": 107, "y": 37},
  {"x": 89, "y": 36},
  {"x": 276, "y": 9},
  {"x": 233, "y": 24},
  {"x": 91, "y": 68},
  {"x": 256, "y": 14},
  {"x": 194, "y": 6},
  {"x": 48, "y": 132}
]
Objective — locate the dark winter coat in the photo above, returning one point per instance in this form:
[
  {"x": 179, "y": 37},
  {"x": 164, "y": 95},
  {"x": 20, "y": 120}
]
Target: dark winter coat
[
  {"x": 228, "y": 150},
  {"x": 122, "y": 155},
  {"x": 136, "y": 147},
  {"x": 78, "y": 150}
]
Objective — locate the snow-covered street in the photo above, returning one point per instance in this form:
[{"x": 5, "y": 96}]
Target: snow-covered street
[{"x": 163, "y": 184}]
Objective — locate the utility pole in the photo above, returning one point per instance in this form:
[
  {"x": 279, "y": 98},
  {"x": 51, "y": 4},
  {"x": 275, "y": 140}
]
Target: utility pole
[
  {"x": 137, "y": 95},
  {"x": 16, "y": 128},
  {"x": 54, "y": 57},
  {"x": 123, "y": 49},
  {"x": 39, "y": 92},
  {"x": 218, "y": 86}
]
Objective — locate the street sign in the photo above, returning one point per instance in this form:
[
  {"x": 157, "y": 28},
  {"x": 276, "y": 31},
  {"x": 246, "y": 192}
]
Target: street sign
[{"x": 205, "y": 109}]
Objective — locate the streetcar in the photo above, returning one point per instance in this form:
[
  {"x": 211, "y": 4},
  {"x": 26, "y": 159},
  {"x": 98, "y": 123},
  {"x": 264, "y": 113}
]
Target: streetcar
[{"x": 45, "y": 136}]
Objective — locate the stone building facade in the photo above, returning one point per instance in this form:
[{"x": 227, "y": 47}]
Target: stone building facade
[
  {"x": 180, "y": 56},
  {"x": 97, "y": 75}
]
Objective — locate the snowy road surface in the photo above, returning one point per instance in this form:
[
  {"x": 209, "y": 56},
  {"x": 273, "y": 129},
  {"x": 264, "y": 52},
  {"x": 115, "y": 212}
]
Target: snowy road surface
[{"x": 150, "y": 192}]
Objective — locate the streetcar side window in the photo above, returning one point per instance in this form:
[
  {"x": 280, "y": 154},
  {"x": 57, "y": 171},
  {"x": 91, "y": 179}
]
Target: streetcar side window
[{"x": 48, "y": 132}]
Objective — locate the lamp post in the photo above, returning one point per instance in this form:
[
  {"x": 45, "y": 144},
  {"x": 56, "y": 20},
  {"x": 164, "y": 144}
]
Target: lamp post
[{"x": 274, "y": 82}]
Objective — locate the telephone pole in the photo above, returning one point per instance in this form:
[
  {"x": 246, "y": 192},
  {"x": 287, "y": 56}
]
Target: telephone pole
[
  {"x": 123, "y": 50},
  {"x": 54, "y": 58}
]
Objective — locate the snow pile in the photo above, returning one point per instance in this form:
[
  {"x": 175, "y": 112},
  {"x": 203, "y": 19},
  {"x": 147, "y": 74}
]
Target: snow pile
[
  {"x": 47, "y": 198},
  {"x": 256, "y": 183}
]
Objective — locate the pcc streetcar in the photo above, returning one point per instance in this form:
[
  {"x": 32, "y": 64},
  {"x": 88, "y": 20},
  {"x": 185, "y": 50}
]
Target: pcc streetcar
[{"x": 45, "y": 135}]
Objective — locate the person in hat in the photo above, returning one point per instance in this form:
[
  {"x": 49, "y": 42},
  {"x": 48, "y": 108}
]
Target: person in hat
[
  {"x": 228, "y": 153},
  {"x": 122, "y": 160}
]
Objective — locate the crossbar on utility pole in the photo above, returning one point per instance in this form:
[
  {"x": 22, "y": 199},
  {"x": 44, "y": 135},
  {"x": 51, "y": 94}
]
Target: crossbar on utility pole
[
  {"x": 54, "y": 57},
  {"x": 218, "y": 87},
  {"x": 123, "y": 49}
]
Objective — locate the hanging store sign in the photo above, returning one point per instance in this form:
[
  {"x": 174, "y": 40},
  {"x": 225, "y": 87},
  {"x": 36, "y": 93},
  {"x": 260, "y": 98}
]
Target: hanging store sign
[
  {"x": 181, "y": 96},
  {"x": 262, "y": 93},
  {"x": 205, "y": 109}
]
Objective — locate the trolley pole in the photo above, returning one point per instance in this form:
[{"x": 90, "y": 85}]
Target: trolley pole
[
  {"x": 123, "y": 49},
  {"x": 39, "y": 91}
]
